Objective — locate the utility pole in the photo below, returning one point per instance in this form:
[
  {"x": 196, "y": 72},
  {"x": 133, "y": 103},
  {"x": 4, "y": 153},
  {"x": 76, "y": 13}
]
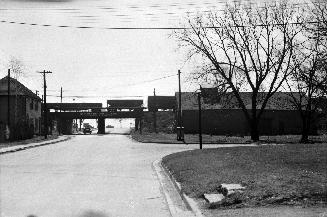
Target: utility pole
[
  {"x": 60, "y": 99},
  {"x": 37, "y": 92},
  {"x": 8, "y": 111},
  {"x": 180, "y": 100},
  {"x": 155, "y": 111},
  {"x": 45, "y": 109},
  {"x": 180, "y": 133},
  {"x": 200, "y": 118},
  {"x": 61, "y": 95}
]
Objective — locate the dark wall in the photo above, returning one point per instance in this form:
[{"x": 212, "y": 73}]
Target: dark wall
[
  {"x": 233, "y": 122},
  {"x": 20, "y": 108}
]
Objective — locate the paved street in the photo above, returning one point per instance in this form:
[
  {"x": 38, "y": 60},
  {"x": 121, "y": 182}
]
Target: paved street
[{"x": 87, "y": 176}]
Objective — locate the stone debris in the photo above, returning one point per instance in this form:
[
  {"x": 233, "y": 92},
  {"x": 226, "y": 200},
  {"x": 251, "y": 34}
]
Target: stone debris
[
  {"x": 228, "y": 194},
  {"x": 232, "y": 186},
  {"x": 213, "y": 198},
  {"x": 228, "y": 189},
  {"x": 234, "y": 191}
]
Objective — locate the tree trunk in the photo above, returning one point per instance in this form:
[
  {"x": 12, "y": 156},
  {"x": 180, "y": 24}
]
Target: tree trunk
[
  {"x": 254, "y": 130},
  {"x": 254, "y": 119},
  {"x": 305, "y": 128}
]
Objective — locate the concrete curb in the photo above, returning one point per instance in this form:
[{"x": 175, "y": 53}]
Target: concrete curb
[
  {"x": 157, "y": 168},
  {"x": 24, "y": 147},
  {"x": 189, "y": 202}
]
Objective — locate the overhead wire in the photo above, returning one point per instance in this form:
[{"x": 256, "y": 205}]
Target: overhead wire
[
  {"x": 127, "y": 85},
  {"x": 151, "y": 28},
  {"x": 144, "y": 28}
]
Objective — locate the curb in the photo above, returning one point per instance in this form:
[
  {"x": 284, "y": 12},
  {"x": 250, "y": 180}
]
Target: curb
[
  {"x": 190, "y": 203},
  {"x": 33, "y": 146}
]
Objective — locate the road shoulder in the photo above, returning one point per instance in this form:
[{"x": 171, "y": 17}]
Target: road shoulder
[{"x": 15, "y": 148}]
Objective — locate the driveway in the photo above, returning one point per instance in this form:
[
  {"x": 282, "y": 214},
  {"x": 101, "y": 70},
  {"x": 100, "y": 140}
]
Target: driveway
[{"x": 87, "y": 176}]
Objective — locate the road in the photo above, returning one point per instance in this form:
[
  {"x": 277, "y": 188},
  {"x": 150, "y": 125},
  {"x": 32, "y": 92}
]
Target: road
[{"x": 87, "y": 176}]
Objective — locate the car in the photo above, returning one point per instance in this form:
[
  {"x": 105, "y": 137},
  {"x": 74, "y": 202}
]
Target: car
[{"x": 87, "y": 130}]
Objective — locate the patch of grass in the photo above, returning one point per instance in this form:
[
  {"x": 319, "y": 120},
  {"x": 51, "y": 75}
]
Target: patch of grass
[
  {"x": 27, "y": 141},
  {"x": 287, "y": 174},
  {"x": 161, "y": 137}
]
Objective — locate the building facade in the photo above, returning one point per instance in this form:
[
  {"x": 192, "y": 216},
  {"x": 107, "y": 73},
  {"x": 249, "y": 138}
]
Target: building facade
[{"x": 24, "y": 110}]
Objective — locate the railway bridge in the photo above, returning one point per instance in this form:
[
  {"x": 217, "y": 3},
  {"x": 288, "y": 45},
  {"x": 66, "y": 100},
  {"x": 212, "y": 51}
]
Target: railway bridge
[{"x": 64, "y": 113}]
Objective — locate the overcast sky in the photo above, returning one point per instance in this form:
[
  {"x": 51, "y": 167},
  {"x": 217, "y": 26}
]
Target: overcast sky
[{"x": 97, "y": 62}]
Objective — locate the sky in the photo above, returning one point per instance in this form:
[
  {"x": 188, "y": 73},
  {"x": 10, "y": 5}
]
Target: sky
[{"x": 98, "y": 63}]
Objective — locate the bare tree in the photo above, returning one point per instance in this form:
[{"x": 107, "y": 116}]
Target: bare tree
[
  {"x": 307, "y": 84},
  {"x": 320, "y": 32},
  {"x": 246, "y": 48}
]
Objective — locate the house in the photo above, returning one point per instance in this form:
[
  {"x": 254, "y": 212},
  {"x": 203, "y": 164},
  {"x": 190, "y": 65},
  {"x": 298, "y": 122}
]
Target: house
[
  {"x": 222, "y": 114},
  {"x": 25, "y": 109}
]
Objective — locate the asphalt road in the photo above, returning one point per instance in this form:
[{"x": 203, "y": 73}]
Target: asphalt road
[{"x": 87, "y": 176}]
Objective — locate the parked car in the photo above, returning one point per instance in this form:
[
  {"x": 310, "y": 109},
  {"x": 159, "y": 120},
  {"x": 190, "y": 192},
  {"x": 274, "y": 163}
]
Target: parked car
[{"x": 87, "y": 130}]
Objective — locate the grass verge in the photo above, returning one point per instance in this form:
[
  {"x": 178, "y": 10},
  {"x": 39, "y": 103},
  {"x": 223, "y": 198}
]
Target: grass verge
[
  {"x": 289, "y": 174},
  {"x": 160, "y": 137},
  {"x": 27, "y": 141}
]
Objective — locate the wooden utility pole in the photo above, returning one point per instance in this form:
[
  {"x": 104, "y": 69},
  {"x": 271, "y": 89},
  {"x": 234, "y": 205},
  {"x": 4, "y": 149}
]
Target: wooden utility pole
[
  {"x": 45, "y": 109},
  {"x": 61, "y": 95},
  {"x": 155, "y": 111},
  {"x": 60, "y": 99},
  {"x": 180, "y": 100},
  {"x": 8, "y": 109},
  {"x": 200, "y": 118},
  {"x": 180, "y": 130}
]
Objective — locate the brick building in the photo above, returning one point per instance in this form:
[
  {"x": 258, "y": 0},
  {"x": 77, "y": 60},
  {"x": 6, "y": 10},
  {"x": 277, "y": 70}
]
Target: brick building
[{"x": 25, "y": 110}]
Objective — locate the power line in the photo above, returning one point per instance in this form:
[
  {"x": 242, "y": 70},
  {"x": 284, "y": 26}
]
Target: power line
[
  {"x": 150, "y": 28},
  {"x": 143, "y": 82},
  {"x": 121, "y": 86}
]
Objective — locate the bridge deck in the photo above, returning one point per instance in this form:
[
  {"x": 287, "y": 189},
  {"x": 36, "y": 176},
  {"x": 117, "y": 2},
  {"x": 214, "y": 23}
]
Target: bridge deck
[{"x": 96, "y": 115}]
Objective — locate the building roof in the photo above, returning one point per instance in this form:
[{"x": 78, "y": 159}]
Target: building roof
[
  {"x": 16, "y": 88},
  {"x": 215, "y": 100}
]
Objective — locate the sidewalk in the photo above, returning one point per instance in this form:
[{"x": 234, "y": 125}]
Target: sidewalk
[{"x": 32, "y": 145}]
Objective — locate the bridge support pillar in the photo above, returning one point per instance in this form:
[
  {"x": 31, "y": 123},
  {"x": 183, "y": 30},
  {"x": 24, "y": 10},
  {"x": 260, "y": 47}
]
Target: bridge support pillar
[
  {"x": 66, "y": 126},
  {"x": 101, "y": 126}
]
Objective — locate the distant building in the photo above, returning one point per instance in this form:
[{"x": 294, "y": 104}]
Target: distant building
[
  {"x": 222, "y": 115},
  {"x": 25, "y": 109}
]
